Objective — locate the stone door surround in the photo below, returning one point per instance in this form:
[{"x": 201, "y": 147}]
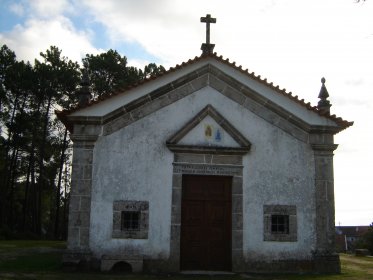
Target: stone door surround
[
  {"x": 207, "y": 164},
  {"x": 208, "y": 160}
]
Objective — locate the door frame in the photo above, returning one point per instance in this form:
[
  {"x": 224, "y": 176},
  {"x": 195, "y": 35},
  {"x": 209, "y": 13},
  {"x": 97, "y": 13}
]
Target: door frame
[{"x": 207, "y": 164}]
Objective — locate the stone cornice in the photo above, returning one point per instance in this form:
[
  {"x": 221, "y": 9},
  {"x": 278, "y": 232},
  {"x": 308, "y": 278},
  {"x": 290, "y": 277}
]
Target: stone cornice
[
  {"x": 83, "y": 138},
  {"x": 85, "y": 120},
  {"x": 208, "y": 149},
  {"x": 323, "y": 129},
  {"x": 324, "y": 147}
]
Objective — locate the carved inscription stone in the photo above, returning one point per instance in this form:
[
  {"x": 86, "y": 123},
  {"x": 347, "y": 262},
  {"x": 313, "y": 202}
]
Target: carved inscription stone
[{"x": 204, "y": 169}]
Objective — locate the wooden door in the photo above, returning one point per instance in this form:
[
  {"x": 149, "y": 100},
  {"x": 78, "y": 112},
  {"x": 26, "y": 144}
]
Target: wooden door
[{"x": 206, "y": 225}]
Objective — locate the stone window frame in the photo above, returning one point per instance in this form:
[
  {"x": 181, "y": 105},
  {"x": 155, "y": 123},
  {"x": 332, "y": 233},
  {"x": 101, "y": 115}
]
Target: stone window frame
[
  {"x": 287, "y": 210},
  {"x": 142, "y": 207}
]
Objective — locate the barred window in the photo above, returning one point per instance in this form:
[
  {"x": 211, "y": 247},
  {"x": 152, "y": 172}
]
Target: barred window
[
  {"x": 280, "y": 224},
  {"x": 130, "y": 220}
]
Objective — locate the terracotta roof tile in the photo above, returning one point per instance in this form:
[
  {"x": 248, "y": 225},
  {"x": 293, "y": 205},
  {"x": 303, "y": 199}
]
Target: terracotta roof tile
[{"x": 343, "y": 123}]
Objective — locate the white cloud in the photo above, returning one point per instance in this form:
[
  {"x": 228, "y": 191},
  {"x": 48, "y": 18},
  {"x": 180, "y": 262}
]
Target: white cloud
[
  {"x": 17, "y": 8},
  {"x": 161, "y": 31},
  {"x": 37, "y": 35},
  {"x": 49, "y": 9},
  {"x": 138, "y": 63}
]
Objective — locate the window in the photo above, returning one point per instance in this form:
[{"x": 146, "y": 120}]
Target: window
[
  {"x": 280, "y": 223},
  {"x": 130, "y": 219}
]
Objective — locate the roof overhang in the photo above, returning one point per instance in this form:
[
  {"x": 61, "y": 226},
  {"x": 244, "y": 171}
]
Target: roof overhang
[{"x": 235, "y": 83}]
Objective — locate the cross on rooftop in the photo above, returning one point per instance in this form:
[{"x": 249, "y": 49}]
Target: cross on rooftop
[{"x": 207, "y": 47}]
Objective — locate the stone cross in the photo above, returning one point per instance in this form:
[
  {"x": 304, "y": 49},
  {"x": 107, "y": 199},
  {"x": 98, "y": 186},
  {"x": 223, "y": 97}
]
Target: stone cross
[
  {"x": 208, "y": 19},
  {"x": 207, "y": 48}
]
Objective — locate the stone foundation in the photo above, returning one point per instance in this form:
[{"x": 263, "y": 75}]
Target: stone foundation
[
  {"x": 329, "y": 264},
  {"x": 78, "y": 260},
  {"x": 320, "y": 264},
  {"x": 135, "y": 261}
]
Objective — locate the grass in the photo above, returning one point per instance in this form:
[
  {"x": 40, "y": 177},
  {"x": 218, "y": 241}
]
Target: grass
[
  {"x": 24, "y": 244},
  {"x": 42, "y": 260}
]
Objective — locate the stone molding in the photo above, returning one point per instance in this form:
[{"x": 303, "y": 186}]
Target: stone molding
[
  {"x": 207, "y": 75},
  {"x": 83, "y": 140},
  {"x": 209, "y": 110},
  {"x": 324, "y": 147},
  {"x": 172, "y": 142},
  {"x": 207, "y": 149},
  {"x": 207, "y": 169}
]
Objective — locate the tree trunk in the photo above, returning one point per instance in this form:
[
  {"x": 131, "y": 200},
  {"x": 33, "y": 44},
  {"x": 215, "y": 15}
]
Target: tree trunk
[
  {"x": 8, "y": 167},
  {"x": 41, "y": 184},
  {"x": 65, "y": 207},
  {"x": 58, "y": 192},
  {"x": 11, "y": 210}
]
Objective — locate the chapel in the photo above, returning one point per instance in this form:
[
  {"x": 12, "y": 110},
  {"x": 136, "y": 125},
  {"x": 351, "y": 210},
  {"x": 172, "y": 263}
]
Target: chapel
[{"x": 205, "y": 167}]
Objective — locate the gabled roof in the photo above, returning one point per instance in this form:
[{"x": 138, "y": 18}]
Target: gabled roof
[
  {"x": 351, "y": 230},
  {"x": 62, "y": 115}
]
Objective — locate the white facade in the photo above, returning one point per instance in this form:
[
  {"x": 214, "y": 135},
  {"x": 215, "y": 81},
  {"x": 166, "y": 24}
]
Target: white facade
[{"x": 130, "y": 159}]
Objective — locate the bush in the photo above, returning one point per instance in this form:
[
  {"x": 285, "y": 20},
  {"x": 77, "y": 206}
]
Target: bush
[
  {"x": 366, "y": 241},
  {"x": 5, "y": 233}
]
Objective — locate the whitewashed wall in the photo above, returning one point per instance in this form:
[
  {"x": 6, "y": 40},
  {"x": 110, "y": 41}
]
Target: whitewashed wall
[{"x": 135, "y": 164}]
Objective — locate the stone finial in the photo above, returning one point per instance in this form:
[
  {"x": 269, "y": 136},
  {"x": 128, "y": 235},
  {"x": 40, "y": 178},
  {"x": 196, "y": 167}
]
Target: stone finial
[
  {"x": 207, "y": 48},
  {"x": 323, "y": 105},
  {"x": 84, "y": 93}
]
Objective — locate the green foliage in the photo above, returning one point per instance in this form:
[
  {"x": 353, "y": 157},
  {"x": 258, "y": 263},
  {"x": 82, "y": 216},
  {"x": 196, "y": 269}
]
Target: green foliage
[
  {"x": 366, "y": 241},
  {"x": 30, "y": 151},
  {"x": 35, "y": 148},
  {"x": 109, "y": 72},
  {"x": 106, "y": 71}
]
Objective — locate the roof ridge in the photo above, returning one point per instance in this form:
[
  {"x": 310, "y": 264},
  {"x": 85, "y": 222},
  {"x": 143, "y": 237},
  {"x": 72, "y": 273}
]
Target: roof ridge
[{"x": 264, "y": 81}]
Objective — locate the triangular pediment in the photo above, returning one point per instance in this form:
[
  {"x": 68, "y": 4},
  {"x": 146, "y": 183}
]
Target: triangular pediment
[
  {"x": 261, "y": 98},
  {"x": 209, "y": 132}
]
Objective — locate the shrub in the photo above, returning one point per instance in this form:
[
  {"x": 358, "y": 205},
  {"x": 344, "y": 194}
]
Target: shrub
[{"x": 366, "y": 240}]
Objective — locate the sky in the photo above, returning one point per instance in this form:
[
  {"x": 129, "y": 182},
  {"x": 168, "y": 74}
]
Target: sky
[{"x": 292, "y": 43}]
